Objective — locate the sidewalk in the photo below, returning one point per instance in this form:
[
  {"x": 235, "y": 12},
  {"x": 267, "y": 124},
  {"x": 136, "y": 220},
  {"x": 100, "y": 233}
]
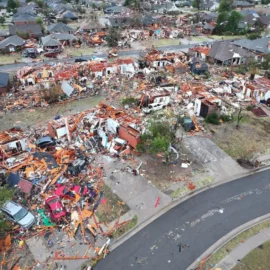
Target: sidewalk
[
  {"x": 140, "y": 196},
  {"x": 243, "y": 249}
]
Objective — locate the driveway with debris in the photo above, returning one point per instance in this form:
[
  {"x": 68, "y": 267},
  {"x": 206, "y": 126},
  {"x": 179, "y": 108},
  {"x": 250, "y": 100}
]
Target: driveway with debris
[{"x": 141, "y": 196}]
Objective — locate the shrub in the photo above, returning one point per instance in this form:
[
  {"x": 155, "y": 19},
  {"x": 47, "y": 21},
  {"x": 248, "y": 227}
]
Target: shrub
[
  {"x": 225, "y": 118},
  {"x": 249, "y": 107},
  {"x": 128, "y": 101},
  {"x": 212, "y": 118},
  {"x": 253, "y": 36}
]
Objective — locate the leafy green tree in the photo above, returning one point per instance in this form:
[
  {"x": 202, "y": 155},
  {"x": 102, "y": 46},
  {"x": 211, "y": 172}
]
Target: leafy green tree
[
  {"x": 253, "y": 36},
  {"x": 2, "y": 20},
  {"x": 5, "y": 195},
  {"x": 225, "y": 6},
  {"x": 39, "y": 21},
  {"x": 12, "y": 5},
  {"x": 222, "y": 21},
  {"x": 157, "y": 139},
  {"x": 113, "y": 37},
  {"x": 40, "y": 3},
  {"x": 94, "y": 6},
  {"x": 233, "y": 22},
  {"x": 265, "y": 64},
  {"x": 196, "y": 4},
  {"x": 133, "y": 3}
]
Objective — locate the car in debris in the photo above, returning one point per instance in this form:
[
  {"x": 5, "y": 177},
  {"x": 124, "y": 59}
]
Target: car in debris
[
  {"x": 18, "y": 214},
  {"x": 154, "y": 107},
  {"x": 187, "y": 123},
  {"x": 70, "y": 192},
  {"x": 77, "y": 166},
  {"x": 267, "y": 103},
  {"x": 55, "y": 207},
  {"x": 80, "y": 60},
  {"x": 46, "y": 141}
]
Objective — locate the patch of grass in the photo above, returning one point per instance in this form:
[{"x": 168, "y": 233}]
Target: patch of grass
[
  {"x": 259, "y": 258},
  {"x": 78, "y": 51},
  {"x": 9, "y": 59},
  {"x": 165, "y": 42},
  {"x": 227, "y": 248},
  {"x": 227, "y": 37},
  {"x": 199, "y": 38},
  {"x": 112, "y": 208},
  {"x": 125, "y": 228},
  {"x": 185, "y": 190}
]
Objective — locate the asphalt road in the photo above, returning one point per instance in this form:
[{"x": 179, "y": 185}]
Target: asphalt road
[
  {"x": 197, "y": 223},
  {"x": 10, "y": 67}
]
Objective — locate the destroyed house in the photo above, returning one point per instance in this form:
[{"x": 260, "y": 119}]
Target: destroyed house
[
  {"x": 12, "y": 143},
  {"x": 205, "y": 105}
]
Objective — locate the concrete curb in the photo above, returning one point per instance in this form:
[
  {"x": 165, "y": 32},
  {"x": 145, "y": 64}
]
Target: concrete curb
[
  {"x": 174, "y": 203},
  {"x": 227, "y": 238}
]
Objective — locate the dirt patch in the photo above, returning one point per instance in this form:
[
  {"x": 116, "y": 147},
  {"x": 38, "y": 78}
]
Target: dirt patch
[
  {"x": 163, "y": 175},
  {"x": 246, "y": 142},
  {"x": 38, "y": 116},
  {"x": 111, "y": 206}
]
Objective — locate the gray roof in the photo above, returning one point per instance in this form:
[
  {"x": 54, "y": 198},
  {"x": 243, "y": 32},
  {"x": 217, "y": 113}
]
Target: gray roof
[
  {"x": 3, "y": 33},
  {"x": 12, "y": 40},
  {"x": 265, "y": 20},
  {"x": 59, "y": 28},
  {"x": 4, "y": 79},
  {"x": 243, "y": 4},
  {"x": 259, "y": 45},
  {"x": 63, "y": 36},
  {"x": 28, "y": 28},
  {"x": 49, "y": 41},
  {"x": 224, "y": 50},
  {"x": 208, "y": 26},
  {"x": 24, "y": 17}
]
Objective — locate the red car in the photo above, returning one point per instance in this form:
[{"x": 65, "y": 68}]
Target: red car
[
  {"x": 54, "y": 205},
  {"x": 69, "y": 192}
]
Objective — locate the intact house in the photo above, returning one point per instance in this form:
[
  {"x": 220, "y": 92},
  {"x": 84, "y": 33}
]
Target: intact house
[
  {"x": 12, "y": 143},
  {"x": 258, "y": 47},
  {"x": 64, "y": 39},
  {"x": 27, "y": 31},
  {"x": 3, "y": 34},
  {"x": 24, "y": 18},
  {"x": 243, "y": 4},
  {"x": 4, "y": 82},
  {"x": 59, "y": 28},
  {"x": 50, "y": 43},
  {"x": 227, "y": 53},
  {"x": 11, "y": 44}
]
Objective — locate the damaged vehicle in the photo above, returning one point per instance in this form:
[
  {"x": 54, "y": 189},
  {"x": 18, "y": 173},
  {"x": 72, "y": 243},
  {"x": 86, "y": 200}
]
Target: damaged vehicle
[
  {"x": 44, "y": 142},
  {"x": 18, "y": 214},
  {"x": 55, "y": 207},
  {"x": 77, "y": 166}
]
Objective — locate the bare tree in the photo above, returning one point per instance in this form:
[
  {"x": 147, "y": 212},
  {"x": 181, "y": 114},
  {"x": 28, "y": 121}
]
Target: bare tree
[{"x": 239, "y": 118}]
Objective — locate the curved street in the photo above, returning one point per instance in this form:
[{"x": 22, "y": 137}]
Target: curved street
[{"x": 195, "y": 224}]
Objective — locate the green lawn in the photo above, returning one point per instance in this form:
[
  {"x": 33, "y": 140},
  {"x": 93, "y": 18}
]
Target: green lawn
[
  {"x": 227, "y": 248},
  {"x": 199, "y": 38},
  {"x": 165, "y": 42},
  {"x": 227, "y": 37},
  {"x": 9, "y": 59},
  {"x": 259, "y": 258}
]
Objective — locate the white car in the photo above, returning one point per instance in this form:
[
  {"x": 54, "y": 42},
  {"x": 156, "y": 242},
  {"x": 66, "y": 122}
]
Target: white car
[
  {"x": 154, "y": 107},
  {"x": 18, "y": 214}
]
